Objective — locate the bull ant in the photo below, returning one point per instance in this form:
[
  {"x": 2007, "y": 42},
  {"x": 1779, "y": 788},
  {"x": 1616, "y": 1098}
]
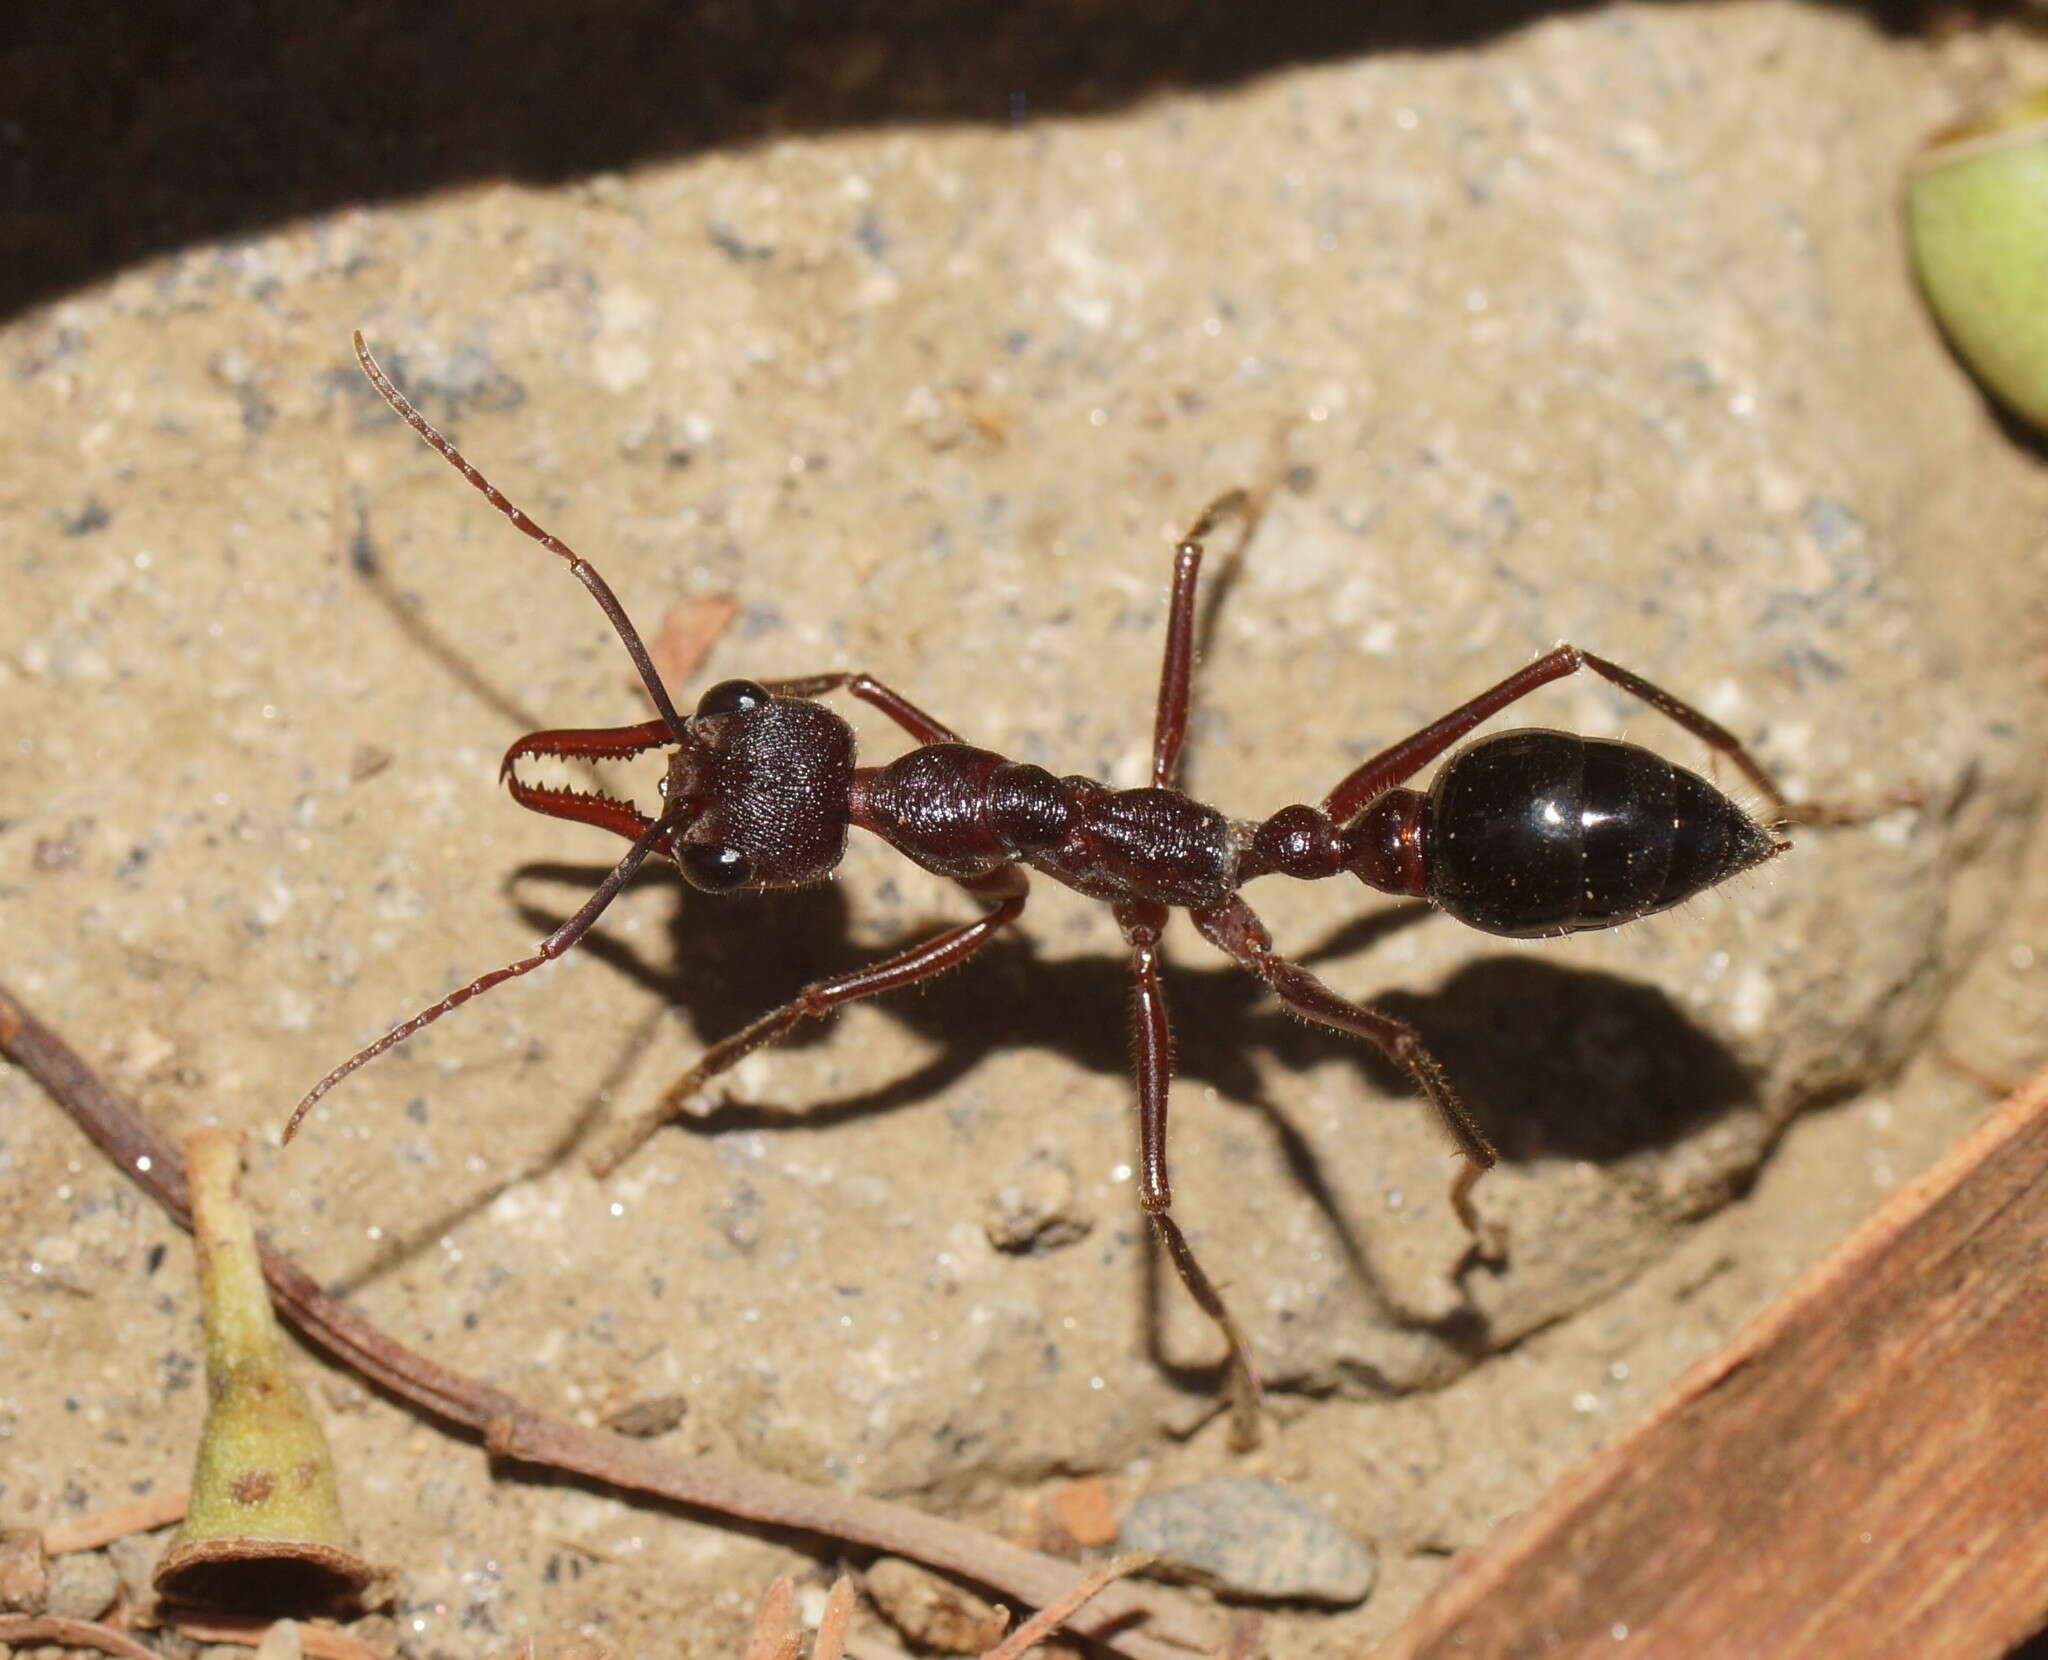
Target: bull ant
[{"x": 1528, "y": 833}]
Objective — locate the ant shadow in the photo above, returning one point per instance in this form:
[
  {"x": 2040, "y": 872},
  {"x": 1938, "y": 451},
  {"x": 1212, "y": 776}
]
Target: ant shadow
[{"x": 1551, "y": 1060}]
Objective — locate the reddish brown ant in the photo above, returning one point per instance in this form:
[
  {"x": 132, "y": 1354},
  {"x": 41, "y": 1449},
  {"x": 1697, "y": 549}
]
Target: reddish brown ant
[{"x": 1531, "y": 832}]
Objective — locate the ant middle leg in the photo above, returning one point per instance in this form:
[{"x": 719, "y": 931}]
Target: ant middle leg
[
  {"x": 1170, "y": 722},
  {"x": 1402, "y": 760},
  {"x": 1152, "y": 1045},
  {"x": 1003, "y": 889},
  {"x": 1235, "y": 929}
]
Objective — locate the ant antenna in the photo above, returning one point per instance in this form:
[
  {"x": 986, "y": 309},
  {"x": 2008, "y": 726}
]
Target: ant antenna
[
  {"x": 585, "y": 572},
  {"x": 549, "y": 949}
]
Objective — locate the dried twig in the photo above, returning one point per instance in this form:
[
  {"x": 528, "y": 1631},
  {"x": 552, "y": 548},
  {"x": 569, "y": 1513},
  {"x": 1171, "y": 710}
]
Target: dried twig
[
  {"x": 832, "y": 1624},
  {"x": 513, "y": 1429},
  {"x": 103, "y": 1527},
  {"x": 1060, "y": 1611},
  {"x": 25, "y": 1630},
  {"x": 320, "y": 1642},
  {"x": 775, "y": 1636}
]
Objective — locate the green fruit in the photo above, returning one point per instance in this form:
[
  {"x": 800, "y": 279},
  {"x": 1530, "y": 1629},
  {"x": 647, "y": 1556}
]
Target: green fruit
[{"x": 1977, "y": 221}]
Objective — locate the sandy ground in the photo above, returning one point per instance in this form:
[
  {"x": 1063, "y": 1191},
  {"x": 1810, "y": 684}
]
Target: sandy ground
[{"x": 1594, "y": 328}]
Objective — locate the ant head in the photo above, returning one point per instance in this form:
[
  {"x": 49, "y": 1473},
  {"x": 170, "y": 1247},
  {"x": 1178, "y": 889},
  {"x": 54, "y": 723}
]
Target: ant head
[{"x": 761, "y": 789}]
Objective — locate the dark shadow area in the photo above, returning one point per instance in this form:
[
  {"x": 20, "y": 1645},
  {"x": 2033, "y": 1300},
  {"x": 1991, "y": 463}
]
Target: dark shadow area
[
  {"x": 1570, "y": 1063},
  {"x": 2034, "y": 1648},
  {"x": 424, "y": 634},
  {"x": 129, "y": 128},
  {"x": 1551, "y": 1060}
]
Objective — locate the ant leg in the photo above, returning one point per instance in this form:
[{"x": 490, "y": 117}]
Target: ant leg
[
  {"x": 868, "y": 689},
  {"x": 1004, "y": 889},
  {"x": 1235, "y": 930},
  {"x": 1709, "y": 731},
  {"x": 1152, "y": 1044},
  {"x": 1723, "y": 742},
  {"x": 1170, "y": 724},
  {"x": 1402, "y": 760}
]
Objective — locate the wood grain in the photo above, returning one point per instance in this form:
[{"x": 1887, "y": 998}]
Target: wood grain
[{"x": 1862, "y": 1472}]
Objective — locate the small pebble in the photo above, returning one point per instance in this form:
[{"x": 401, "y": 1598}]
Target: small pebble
[
  {"x": 1084, "y": 1510},
  {"x": 648, "y": 1418},
  {"x": 24, "y": 1571},
  {"x": 282, "y": 1641},
  {"x": 135, "y": 1559},
  {"x": 1033, "y": 1208},
  {"x": 931, "y": 1610},
  {"x": 1252, "y": 1538},
  {"x": 83, "y": 1585}
]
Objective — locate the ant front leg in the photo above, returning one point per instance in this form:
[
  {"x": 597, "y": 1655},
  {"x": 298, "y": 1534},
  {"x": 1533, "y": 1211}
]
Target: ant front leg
[
  {"x": 1152, "y": 1044},
  {"x": 1004, "y": 889},
  {"x": 868, "y": 689},
  {"x": 1403, "y": 760},
  {"x": 1234, "y": 928}
]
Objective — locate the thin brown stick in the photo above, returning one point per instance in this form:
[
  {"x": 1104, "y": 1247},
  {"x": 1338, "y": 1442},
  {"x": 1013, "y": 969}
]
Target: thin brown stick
[
  {"x": 24, "y": 1630},
  {"x": 512, "y": 1429},
  {"x": 322, "y": 1642},
  {"x": 103, "y": 1527},
  {"x": 773, "y": 1637},
  {"x": 832, "y": 1624},
  {"x": 1062, "y": 1609}
]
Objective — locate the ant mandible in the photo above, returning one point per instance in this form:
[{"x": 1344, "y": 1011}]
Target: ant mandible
[{"x": 1531, "y": 832}]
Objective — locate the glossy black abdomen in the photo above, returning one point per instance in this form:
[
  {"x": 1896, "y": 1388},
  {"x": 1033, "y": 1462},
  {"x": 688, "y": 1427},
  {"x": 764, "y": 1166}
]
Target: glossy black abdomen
[{"x": 1538, "y": 832}]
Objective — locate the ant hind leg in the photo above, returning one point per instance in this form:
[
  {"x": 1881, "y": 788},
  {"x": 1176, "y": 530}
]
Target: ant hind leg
[
  {"x": 1152, "y": 1043},
  {"x": 1236, "y": 931}
]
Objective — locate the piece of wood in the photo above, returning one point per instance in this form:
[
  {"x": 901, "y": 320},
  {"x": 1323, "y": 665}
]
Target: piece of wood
[{"x": 1863, "y": 1471}]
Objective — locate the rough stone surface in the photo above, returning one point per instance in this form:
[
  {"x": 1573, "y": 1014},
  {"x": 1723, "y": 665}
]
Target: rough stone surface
[
  {"x": 83, "y": 1585},
  {"x": 1032, "y": 1208},
  {"x": 24, "y": 1571},
  {"x": 1593, "y": 328},
  {"x": 931, "y": 1610},
  {"x": 1251, "y": 1538}
]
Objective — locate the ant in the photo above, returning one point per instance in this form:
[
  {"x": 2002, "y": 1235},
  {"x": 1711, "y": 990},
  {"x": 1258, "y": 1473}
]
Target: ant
[{"x": 1528, "y": 833}]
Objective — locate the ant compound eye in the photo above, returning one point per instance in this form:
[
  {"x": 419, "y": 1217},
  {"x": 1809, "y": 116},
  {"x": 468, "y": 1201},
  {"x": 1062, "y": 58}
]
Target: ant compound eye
[
  {"x": 712, "y": 868},
  {"x": 731, "y": 697}
]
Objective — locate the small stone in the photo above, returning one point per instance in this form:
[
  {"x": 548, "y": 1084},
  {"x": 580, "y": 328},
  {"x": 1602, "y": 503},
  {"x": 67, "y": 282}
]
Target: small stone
[
  {"x": 1252, "y": 1538},
  {"x": 931, "y": 1610},
  {"x": 24, "y": 1571},
  {"x": 282, "y": 1641},
  {"x": 135, "y": 1558},
  {"x": 1084, "y": 1510},
  {"x": 1033, "y": 1209},
  {"x": 83, "y": 1585},
  {"x": 648, "y": 1418},
  {"x": 367, "y": 761}
]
